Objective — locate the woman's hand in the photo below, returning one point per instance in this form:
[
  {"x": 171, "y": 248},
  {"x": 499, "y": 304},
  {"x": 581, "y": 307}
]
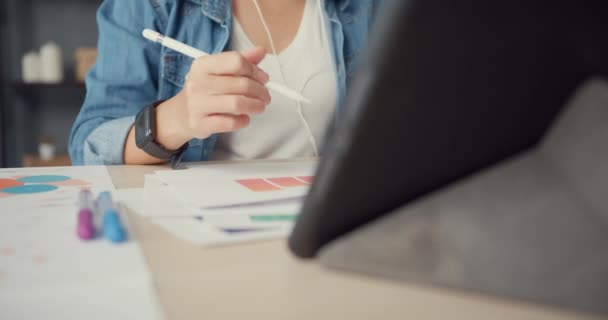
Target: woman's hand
[{"x": 220, "y": 94}]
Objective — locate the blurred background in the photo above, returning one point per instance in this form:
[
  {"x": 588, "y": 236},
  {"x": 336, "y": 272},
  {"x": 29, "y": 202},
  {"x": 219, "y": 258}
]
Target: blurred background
[{"x": 46, "y": 48}]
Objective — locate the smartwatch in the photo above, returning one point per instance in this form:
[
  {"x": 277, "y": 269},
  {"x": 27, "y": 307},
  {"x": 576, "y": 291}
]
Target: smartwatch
[{"x": 145, "y": 134}]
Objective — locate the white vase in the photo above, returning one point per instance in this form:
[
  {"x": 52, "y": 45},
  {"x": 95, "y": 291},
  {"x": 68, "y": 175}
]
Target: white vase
[
  {"x": 46, "y": 151},
  {"x": 51, "y": 63},
  {"x": 30, "y": 67}
]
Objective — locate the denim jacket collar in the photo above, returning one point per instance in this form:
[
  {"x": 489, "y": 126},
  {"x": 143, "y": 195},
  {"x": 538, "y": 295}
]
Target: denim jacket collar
[
  {"x": 217, "y": 10},
  {"x": 220, "y": 10}
]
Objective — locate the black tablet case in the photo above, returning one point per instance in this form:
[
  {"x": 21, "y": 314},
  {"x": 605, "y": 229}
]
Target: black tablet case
[
  {"x": 534, "y": 227},
  {"x": 445, "y": 89}
]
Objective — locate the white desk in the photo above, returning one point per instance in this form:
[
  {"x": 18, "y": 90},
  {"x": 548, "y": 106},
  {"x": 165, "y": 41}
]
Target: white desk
[{"x": 264, "y": 281}]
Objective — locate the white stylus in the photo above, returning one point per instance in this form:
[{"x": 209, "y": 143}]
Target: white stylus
[{"x": 195, "y": 54}]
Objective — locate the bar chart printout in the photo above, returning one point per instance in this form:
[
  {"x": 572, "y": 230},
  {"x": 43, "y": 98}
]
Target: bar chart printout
[
  {"x": 219, "y": 185},
  {"x": 274, "y": 183}
]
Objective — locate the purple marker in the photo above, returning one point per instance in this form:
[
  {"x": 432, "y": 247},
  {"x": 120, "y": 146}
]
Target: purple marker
[{"x": 85, "y": 227}]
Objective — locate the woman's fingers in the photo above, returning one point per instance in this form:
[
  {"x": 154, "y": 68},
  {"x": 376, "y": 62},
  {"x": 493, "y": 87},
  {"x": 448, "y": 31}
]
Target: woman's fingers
[
  {"x": 219, "y": 123},
  {"x": 235, "y": 105},
  {"x": 254, "y": 55},
  {"x": 222, "y": 91},
  {"x": 225, "y": 85},
  {"x": 229, "y": 64}
]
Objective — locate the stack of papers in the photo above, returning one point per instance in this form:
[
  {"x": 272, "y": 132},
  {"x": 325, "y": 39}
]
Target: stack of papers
[
  {"x": 214, "y": 204},
  {"x": 46, "y": 272}
]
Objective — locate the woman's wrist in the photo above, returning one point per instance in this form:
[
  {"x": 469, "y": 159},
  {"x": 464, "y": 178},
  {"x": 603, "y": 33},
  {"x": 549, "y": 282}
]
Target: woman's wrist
[{"x": 170, "y": 128}]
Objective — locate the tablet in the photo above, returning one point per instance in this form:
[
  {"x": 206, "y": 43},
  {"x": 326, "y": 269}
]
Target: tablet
[{"x": 445, "y": 89}]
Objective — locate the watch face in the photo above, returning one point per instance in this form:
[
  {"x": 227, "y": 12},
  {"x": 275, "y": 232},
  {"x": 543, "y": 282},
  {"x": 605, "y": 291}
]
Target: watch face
[
  {"x": 143, "y": 130},
  {"x": 143, "y": 138},
  {"x": 145, "y": 134}
]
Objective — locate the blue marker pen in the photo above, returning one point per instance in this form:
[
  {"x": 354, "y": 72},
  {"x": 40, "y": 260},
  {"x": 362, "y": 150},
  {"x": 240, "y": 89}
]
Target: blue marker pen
[{"x": 112, "y": 228}]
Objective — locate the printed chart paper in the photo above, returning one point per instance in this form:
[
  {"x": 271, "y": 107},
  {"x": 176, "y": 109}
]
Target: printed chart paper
[
  {"x": 46, "y": 271},
  {"x": 218, "y": 185},
  {"x": 217, "y": 204},
  {"x": 214, "y": 227}
]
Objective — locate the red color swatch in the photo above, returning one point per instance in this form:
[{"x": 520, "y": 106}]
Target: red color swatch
[
  {"x": 7, "y": 252},
  {"x": 307, "y": 179},
  {"x": 287, "y": 182},
  {"x": 40, "y": 259},
  {"x": 8, "y": 183},
  {"x": 257, "y": 185}
]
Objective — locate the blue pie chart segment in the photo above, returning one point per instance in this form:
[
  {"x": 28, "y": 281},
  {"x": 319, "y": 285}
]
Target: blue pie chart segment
[
  {"x": 30, "y": 189},
  {"x": 43, "y": 179}
]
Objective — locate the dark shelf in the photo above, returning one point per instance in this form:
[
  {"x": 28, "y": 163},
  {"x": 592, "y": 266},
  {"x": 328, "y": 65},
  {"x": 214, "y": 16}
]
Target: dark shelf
[
  {"x": 68, "y": 1},
  {"x": 31, "y": 110},
  {"x": 22, "y": 86},
  {"x": 36, "y": 88}
]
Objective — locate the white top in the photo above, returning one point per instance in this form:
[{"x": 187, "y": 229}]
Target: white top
[{"x": 279, "y": 132}]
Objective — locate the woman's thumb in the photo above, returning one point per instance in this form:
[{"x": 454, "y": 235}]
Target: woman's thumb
[{"x": 254, "y": 55}]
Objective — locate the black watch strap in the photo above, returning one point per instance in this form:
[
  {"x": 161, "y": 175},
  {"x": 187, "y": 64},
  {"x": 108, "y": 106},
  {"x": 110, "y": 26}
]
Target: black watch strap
[{"x": 146, "y": 131}]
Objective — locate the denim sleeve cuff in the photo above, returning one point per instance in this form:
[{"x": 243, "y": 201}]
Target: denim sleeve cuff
[{"x": 106, "y": 144}]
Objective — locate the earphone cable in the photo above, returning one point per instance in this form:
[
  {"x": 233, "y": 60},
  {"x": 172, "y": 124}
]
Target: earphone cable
[{"x": 299, "y": 110}]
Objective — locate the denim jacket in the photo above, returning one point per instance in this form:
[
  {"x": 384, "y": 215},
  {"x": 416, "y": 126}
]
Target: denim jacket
[{"x": 131, "y": 72}]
